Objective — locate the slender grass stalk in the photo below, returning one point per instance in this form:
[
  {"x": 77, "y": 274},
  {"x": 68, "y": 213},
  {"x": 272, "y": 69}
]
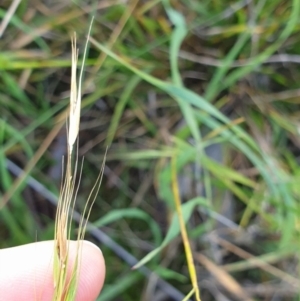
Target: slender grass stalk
[
  {"x": 189, "y": 295},
  {"x": 185, "y": 238}
]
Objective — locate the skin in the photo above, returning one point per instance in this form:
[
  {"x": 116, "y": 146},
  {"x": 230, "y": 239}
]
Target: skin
[{"x": 26, "y": 272}]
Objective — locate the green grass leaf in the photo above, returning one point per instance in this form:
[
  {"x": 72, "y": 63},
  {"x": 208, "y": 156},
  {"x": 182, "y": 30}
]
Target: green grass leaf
[{"x": 174, "y": 228}]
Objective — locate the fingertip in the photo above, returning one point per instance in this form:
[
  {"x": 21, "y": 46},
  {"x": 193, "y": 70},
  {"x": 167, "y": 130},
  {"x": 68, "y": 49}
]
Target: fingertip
[
  {"x": 26, "y": 271},
  {"x": 92, "y": 272}
]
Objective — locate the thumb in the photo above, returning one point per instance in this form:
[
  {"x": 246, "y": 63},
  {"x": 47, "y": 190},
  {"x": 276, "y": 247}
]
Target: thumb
[{"x": 26, "y": 271}]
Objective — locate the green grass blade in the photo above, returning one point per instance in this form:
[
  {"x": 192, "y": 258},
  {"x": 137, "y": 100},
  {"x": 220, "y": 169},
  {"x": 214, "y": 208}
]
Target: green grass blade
[
  {"x": 215, "y": 85},
  {"x": 174, "y": 228},
  {"x": 120, "y": 108}
]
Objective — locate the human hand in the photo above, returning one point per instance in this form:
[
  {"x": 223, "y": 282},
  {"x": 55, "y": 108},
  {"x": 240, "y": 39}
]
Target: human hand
[{"x": 26, "y": 272}]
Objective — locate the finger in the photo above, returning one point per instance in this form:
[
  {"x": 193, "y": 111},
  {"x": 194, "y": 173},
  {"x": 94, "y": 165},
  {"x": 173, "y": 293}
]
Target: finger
[{"x": 26, "y": 272}]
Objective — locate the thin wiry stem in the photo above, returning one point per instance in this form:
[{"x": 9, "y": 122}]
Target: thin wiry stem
[{"x": 185, "y": 238}]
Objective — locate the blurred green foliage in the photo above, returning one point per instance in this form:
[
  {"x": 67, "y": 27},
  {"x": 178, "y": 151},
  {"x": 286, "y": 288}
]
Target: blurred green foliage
[{"x": 214, "y": 83}]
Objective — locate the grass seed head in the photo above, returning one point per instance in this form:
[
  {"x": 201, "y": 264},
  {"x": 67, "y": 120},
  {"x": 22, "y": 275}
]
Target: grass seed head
[{"x": 65, "y": 286}]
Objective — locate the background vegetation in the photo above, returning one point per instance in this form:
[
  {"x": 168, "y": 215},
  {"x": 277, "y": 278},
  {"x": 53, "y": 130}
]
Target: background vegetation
[{"x": 213, "y": 85}]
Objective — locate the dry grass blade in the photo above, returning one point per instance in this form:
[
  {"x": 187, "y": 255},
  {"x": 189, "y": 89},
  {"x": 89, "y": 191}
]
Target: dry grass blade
[
  {"x": 24, "y": 39},
  {"x": 224, "y": 278},
  {"x": 13, "y": 7},
  {"x": 114, "y": 36},
  {"x": 256, "y": 262}
]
